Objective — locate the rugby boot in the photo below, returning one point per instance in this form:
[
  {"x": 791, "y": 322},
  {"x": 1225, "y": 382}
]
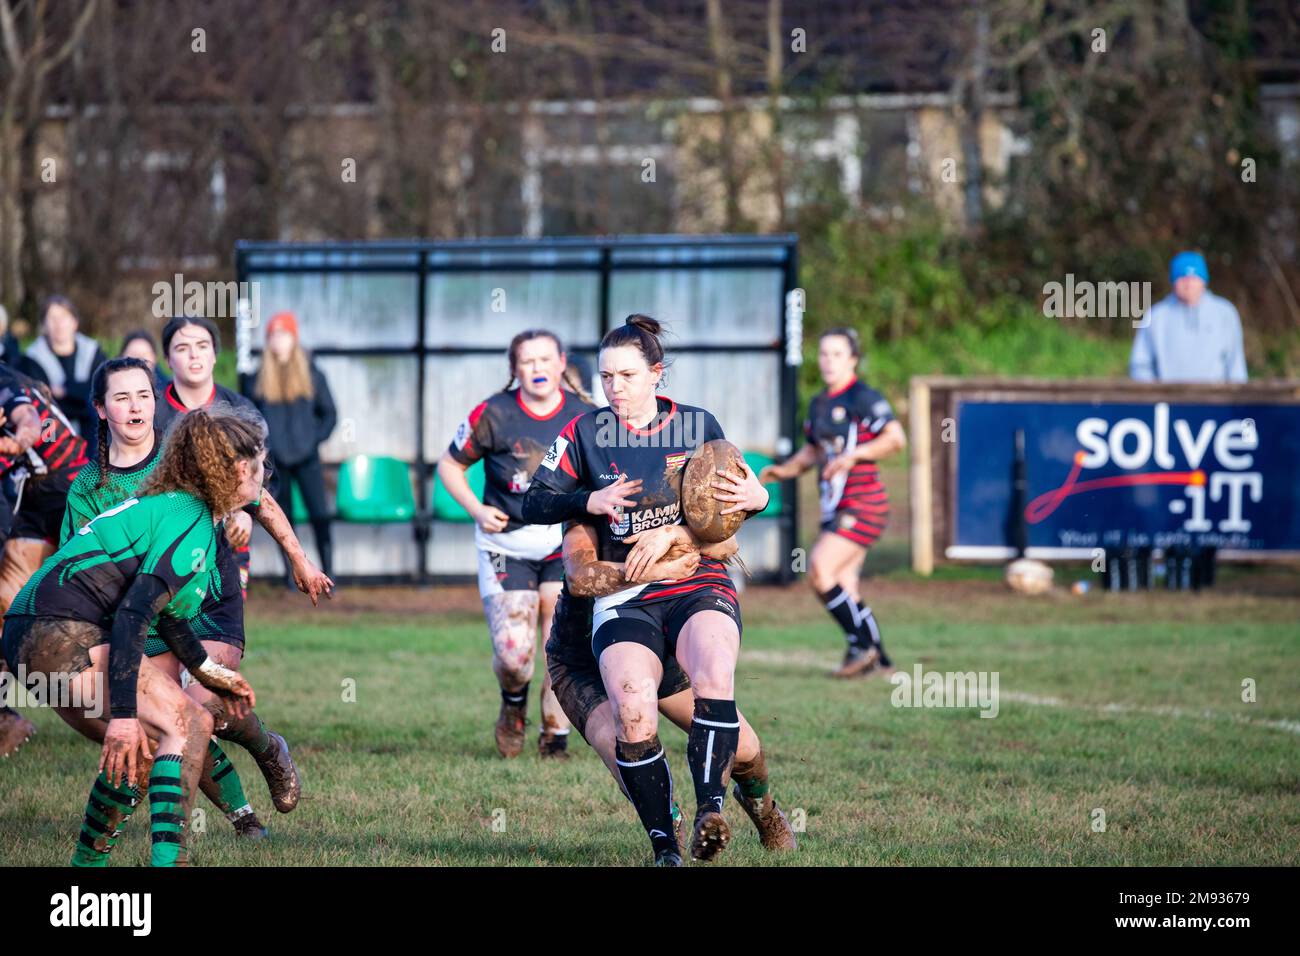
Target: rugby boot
[
  {"x": 510, "y": 730},
  {"x": 710, "y": 835},
  {"x": 248, "y": 827},
  {"x": 552, "y": 745},
  {"x": 857, "y": 662},
  {"x": 774, "y": 830},
  {"x": 15, "y": 730},
  {"x": 668, "y": 858},
  {"x": 281, "y": 775}
]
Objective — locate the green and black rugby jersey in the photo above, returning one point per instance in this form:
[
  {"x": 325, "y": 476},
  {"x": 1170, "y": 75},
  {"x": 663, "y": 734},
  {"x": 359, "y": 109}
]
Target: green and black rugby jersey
[
  {"x": 170, "y": 536},
  {"x": 86, "y": 498}
]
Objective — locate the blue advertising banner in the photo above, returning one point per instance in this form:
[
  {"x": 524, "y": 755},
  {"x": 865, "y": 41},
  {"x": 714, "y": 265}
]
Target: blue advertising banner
[{"x": 1123, "y": 474}]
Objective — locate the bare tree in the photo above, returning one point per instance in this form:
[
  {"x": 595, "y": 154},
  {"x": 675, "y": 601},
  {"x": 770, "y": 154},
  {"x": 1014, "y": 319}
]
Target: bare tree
[{"x": 35, "y": 42}]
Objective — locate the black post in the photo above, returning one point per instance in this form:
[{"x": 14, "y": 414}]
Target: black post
[
  {"x": 1020, "y": 490},
  {"x": 423, "y": 529},
  {"x": 789, "y": 517}
]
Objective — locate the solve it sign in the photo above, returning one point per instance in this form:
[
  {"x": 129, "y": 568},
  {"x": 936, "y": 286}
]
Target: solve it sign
[{"x": 1114, "y": 474}]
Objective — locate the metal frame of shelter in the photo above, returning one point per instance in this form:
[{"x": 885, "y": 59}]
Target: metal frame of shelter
[{"x": 603, "y": 256}]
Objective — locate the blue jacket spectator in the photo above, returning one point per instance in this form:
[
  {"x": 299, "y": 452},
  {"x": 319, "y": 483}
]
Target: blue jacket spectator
[{"x": 1191, "y": 335}]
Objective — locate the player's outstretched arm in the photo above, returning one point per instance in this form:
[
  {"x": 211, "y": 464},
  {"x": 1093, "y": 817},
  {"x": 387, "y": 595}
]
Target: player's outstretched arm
[
  {"x": 792, "y": 467},
  {"x": 311, "y": 580}
]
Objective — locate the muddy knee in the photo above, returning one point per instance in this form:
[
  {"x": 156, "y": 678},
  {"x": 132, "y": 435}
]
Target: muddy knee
[{"x": 197, "y": 720}]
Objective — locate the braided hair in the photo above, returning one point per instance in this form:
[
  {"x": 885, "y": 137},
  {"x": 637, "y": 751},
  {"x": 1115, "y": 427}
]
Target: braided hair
[{"x": 99, "y": 391}]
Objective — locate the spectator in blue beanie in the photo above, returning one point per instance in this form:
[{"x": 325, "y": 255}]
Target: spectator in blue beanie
[{"x": 1191, "y": 335}]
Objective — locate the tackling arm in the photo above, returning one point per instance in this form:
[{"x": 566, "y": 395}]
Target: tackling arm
[{"x": 589, "y": 577}]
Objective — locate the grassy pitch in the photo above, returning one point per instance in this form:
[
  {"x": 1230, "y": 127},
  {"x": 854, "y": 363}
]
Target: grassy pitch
[{"x": 1129, "y": 704}]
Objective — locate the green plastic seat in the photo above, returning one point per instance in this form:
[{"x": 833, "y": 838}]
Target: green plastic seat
[
  {"x": 447, "y": 508},
  {"x": 298, "y": 513},
  {"x": 375, "y": 490},
  {"x": 758, "y": 461}
]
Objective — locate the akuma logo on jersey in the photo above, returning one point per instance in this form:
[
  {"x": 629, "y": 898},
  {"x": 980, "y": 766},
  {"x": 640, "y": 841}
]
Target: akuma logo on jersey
[{"x": 1132, "y": 444}]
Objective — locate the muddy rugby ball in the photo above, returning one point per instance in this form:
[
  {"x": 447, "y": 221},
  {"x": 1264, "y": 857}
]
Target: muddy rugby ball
[
  {"x": 1026, "y": 576},
  {"x": 700, "y": 509}
]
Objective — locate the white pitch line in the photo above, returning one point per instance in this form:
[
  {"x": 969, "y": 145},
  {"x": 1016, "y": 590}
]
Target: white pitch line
[
  {"x": 820, "y": 662},
  {"x": 1290, "y": 726}
]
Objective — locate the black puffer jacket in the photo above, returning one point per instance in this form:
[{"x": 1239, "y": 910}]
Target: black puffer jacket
[{"x": 297, "y": 428}]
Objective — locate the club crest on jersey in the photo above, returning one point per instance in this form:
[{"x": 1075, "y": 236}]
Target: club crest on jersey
[
  {"x": 620, "y": 524},
  {"x": 847, "y": 521},
  {"x": 675, "y": 462},
  {"x": 838, "y": 413},
  {"x": 519, "y": 482},
  {"x": 462, "y": 434}
]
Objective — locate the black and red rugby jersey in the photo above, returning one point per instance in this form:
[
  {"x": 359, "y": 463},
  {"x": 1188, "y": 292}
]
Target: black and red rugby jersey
[
  {"x": 511, "y": 441},
  {"x": 594, "y": 449},
  {"x": 59, "y": 449},
  {"x": 839, "y": 422},
  {"x": 169, "y": 406}
]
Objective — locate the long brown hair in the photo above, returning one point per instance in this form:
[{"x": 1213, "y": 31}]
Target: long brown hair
[
  {"x": 283, "y": 382},
  {"x": 200, "y": 451},
  {"x": 569, "y": 377}
]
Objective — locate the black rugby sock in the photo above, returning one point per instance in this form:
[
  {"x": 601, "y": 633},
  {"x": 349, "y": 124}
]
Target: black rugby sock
[
  {"x": 648, "y": 783},
  {"x": 844, "y": 609},
  {"x": 715, "y": 732},
  {"x": 871, "y": 635},
  {"x": 516, "y": 698}
]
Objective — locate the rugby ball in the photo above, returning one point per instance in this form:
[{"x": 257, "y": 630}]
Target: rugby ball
[
  {"x": 699, "y": 507},
  {"x": 1026, "y": 576}
]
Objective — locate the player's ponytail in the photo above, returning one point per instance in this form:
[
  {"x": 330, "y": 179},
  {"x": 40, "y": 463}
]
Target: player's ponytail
[
  {"x": 642, "y": 333},
  {"x": 574, "y": 383},
  {"x": 98, "y": 393}
]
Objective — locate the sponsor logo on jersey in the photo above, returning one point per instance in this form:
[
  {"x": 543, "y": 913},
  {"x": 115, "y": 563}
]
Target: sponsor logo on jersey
[
  {"x": 462, "y": 435},
  {"x": 634, "y": 522},
  {"x": 555, "y": 453}
]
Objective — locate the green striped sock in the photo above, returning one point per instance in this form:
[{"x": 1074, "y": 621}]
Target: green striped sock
[
  {"x": 107, "y": 811},
  {"x": 167, "y": 812},
  {"x": 249, "y": 733},
  {"x": 229, "y": 797}
]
